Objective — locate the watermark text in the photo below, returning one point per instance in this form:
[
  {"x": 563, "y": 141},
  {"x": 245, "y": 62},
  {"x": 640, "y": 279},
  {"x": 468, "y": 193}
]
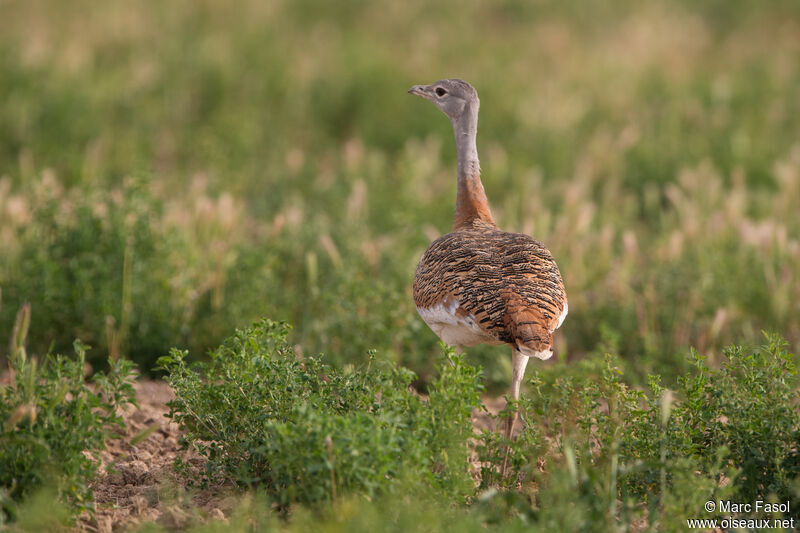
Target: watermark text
[{"x": 758, "y": 507}]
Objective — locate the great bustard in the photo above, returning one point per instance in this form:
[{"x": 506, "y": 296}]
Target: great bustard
[{"x": 478, "y": 284}]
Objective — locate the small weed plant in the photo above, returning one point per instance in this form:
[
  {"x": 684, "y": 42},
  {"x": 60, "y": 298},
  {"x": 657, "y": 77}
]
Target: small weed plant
[
  {"x": 53, "y": 422},
  {"x": 304, "y": 431},
  {"x": 596, "y": 452}
]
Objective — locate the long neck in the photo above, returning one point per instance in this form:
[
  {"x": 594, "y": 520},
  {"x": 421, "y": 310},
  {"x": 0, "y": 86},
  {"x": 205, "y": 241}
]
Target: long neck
[{"x": 471, "y": 202}]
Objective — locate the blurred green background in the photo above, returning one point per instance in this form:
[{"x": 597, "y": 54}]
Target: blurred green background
[{"x": 172, "y": 170}]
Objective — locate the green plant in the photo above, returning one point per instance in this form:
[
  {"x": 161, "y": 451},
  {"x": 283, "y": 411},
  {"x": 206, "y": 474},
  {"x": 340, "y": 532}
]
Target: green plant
[
  {"x": 54, "y": 422},
  {"x": 749, "y": 406},
  {"x": 286, "y": 173},
  {"x": 304, "y": 431},
  {"x": 620, "y": 455},
  {"x": 94, "y": 266}
]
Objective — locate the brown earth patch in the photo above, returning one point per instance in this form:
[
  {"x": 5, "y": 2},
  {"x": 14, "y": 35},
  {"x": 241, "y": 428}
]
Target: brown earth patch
[{"x": 137, "y": 482}]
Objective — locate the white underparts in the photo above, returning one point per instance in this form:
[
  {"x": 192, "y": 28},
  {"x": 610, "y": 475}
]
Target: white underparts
[
  {"x": 453, "y": 328},
  {"x": 462, "y": 329},
  {"x": 563, "y": 315},
  {"x": 544, "y": 354}
]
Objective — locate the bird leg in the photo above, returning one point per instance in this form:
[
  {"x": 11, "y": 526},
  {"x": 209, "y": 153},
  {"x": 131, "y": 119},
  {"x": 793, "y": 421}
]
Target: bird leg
[{"x": 518, "y": 363}]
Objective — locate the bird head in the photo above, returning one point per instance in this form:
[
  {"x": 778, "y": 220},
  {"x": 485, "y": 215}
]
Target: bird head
[{"x": 453, "y": 96}]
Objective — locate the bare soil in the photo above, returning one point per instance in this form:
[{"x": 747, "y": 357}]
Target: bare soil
[{"x": 137, "y": 482}]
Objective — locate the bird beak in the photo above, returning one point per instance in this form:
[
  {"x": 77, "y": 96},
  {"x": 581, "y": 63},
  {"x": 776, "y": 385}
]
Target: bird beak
[{"x": 420, "y": 90}]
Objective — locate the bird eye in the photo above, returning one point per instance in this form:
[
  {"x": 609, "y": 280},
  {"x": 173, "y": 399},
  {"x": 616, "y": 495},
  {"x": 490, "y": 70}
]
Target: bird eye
[{"x": 440, "y": 92}]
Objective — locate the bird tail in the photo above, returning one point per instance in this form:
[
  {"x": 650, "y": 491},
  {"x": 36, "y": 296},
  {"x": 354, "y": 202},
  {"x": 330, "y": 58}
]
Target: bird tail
[{"x": 528, "y": 328}]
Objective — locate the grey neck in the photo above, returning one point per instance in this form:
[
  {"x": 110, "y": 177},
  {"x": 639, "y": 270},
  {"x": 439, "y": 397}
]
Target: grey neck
[
  {"x": 471, "y": 202},
  {"x": 465, "y": 129}
]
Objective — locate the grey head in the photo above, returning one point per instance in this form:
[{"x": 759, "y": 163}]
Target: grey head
[{"x": 453, "y": 97}]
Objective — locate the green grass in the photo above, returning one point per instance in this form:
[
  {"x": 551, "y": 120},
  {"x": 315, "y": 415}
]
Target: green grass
[
  {"x": 55, "y": 422},
  {"x": 302, "y": 445},
  {"x": 304, "y": 431},
  {"x": 283, "y": 171},
  {"x": 172, "y": 171}
]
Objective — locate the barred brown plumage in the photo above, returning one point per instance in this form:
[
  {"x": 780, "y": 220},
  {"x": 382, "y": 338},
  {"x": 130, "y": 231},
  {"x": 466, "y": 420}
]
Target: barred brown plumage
[
  {"x": 478, "y": 284},
  {"x": 507, "y": 282}
]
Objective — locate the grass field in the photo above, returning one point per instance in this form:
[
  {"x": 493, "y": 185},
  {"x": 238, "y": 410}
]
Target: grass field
[{"x": 172, "y": 171}]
